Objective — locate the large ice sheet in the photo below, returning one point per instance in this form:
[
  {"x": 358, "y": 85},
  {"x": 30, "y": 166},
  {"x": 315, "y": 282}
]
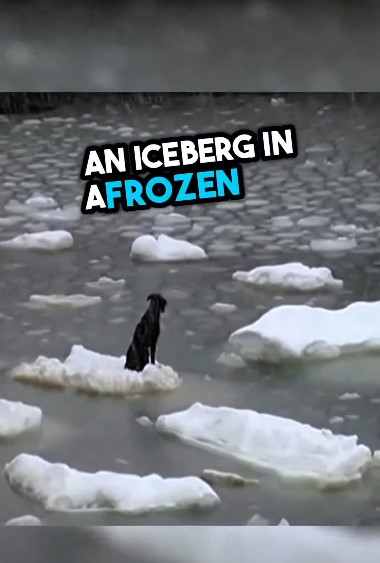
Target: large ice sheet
[
  {"x": 85, "y": 370},
  {"x": 284, "y": 446},
  {"x": 303, "y": 332},
  {"x": 58, "y": 487}
]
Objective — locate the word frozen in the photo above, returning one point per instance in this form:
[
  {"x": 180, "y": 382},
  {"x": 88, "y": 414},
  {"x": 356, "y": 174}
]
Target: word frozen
[
  {"x": 187, "y": 188},
  {"x": 196, "y": 151}
]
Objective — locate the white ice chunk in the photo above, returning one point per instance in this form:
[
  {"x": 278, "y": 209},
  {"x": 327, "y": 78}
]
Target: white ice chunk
[
  {"x": 286, "y": 447},
  {"x": 67, "y": 301},
  {"x": 26, "y": 520},
  {"x": 165, "y": 249},
  {"x": 231, "y": 360},
  {"x": 70, "y": 212},
  {"x": 327, "y": 246},
  {"x": 311, "y": 222},
  {"x": 16, "y": 418},
  {"x": 212, "y": 477},
  {"x": 58, "y": 487},
  {"x": 223, "y": 308},
  {"x": 39, "y": 201},
  {"x": 85, "y": 370},
  {"x": 304, "y": 332},
  {"x": 293, "y": 275},
  {"x": 168, "y": 219},
  {"x": 106, "y": 284},
  {"x": 45, "y": 240}
]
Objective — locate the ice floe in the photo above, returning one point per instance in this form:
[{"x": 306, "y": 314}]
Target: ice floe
[
  {"x": 69, "y": 212},
  {"x": 74, "y": 301},
  {"x": 165, "y": 249},
  {"x": 88, "y": 371},
  {"x": 26, "y": 520},
  {"x": 223, "y": 308},
  {"x": 258, "y": 520},
  {"x": 106, "y": 284},
  {"x": 38, "y": 201},
  {"x": 283, "y": 446},
  {"x": 171, "y": 219},
  {"x": 304, "y": 332},
  {"x": 312, "y": 222},
  {"x": 45, "y": 240},
  {"x": 58, "y": 487},
  {"x": 17, "y": 418},
  {"x": 293, "y": 275},
  {"x": 349, "y": 396},
  {"x": 231, "y": 360},
  {"x": 214, "y": 477},
  {"x": 43, "y": 208},
  {"x": 330, "y": 246}
]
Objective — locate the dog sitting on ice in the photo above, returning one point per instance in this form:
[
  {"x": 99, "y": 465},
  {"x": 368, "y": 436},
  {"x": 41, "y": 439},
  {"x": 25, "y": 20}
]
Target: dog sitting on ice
[{"x": 142, "y": 349}]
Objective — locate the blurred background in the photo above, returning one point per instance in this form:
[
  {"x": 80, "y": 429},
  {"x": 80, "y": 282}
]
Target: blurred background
[
  {"x": 190, "y": 545},
  {"x": 162, "y": 45}
]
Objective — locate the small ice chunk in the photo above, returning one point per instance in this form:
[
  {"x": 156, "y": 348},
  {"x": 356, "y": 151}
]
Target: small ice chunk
[
  {"x": 105, "y": 284},
  {"x": 45, "y": 240},
  {"x": 58, "y": 487},
  {"x": 336, "y": 420},
  {"x": 327, "y": 246},
  {"x": 70, "y": 212},
  {"x": 26, "y": 520},
  {"x": 223, "y": 308},
  {"x": 214, "y": 477},
  {"x": 292, "y": 275},
  {"x": 283, "y": 522},
  {"x": 39, "y": 201},
  {"x": 169, "y": 219},
  {"x": 67, "y": 301},
  {"x": 257, "y": 520},
  {"x": 165, "y": 249},
  {"x": 231, "y": 360},
  {"x": 144, "y": 421},
  {"x": 278, "y": 101},
  {"x": 311, "y": 222},
  {"x": 344, "y": 229},
  {"x": 349, "y": 396},
  {"x": 17, "y": 418}
]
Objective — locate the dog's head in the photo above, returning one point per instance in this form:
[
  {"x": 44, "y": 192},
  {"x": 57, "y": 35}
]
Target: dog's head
[{"x": 158, "y": 300}]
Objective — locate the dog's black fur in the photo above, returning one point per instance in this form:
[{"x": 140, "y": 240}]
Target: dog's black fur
[{"x": 144, "y": 341}]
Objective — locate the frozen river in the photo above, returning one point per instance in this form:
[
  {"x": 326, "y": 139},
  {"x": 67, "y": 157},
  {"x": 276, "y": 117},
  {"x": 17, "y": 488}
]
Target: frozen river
[{"x": 334, "y": 181}]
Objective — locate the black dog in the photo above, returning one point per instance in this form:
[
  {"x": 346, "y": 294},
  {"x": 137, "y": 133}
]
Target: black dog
[{"x": 144, "y": 341}]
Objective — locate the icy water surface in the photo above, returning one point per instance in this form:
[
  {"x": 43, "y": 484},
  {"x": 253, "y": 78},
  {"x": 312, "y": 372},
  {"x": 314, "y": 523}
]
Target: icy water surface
[{"x": 331, "y": 190}]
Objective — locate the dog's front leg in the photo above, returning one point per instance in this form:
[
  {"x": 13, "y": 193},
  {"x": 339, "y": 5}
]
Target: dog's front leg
[{"x": 153, "y": 353}]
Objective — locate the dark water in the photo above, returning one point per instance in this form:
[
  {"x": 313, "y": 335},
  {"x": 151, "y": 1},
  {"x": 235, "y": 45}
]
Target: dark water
[{"x": 97, "y": 433}]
